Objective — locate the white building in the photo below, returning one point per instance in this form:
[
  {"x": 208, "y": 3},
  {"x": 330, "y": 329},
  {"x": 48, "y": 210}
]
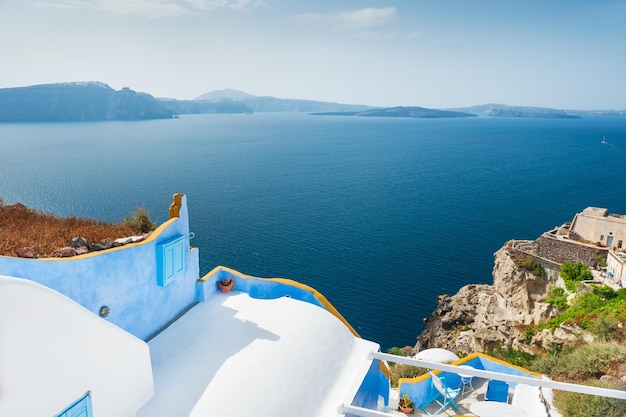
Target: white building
[
  {"x": 598, "y": 226},
  {"x": 616, "y": 267}
]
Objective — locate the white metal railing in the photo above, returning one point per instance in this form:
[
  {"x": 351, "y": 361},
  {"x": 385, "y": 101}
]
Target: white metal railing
[
  {"x": 539, "y": 382},
  {"x": 362, "y": 412}
]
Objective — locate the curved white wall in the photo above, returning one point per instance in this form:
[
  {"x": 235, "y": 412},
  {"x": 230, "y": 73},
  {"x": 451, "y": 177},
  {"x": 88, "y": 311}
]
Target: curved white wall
[{"x": 52, "y": 351}]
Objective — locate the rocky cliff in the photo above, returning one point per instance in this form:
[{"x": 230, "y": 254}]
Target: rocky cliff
[{"x": 482, "y": 317}]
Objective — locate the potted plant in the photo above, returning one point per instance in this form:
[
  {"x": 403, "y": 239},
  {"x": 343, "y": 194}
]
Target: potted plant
[
  {"x": 406, "y": 404},
  {"x": 226, "y": 285}
]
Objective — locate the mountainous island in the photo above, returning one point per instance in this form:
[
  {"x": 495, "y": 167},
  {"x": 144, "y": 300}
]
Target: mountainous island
[
  {"x": 97, "y": 101},
  {"x": 69, "y": 102},
  {"x": 273, "y": 104},
  {"x": 502, "y": 110}
]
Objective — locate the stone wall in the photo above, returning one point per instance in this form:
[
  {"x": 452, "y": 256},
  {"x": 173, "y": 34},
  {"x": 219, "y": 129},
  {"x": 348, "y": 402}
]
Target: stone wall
[
  {"x": 561, "y": 250},
  {"x": 530, "y": 250}
]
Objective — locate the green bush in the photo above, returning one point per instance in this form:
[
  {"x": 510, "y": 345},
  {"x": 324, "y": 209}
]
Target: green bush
[
  {"x": 572, "y": 404},
  {"x": 557, "y": 298},
  {"x": 585, "y": 362},
  {"x": 514, "y": 356},
  {"x": 397, "y": 371},
  {"x": 573, "y": 274},
  {"x": 605, "y": 327},
  {"x": 140, "y": 222},
  {"x": 395, "y": 351},
  {"x": 584, "y": 365},
  {"x": 528, "y": 335},
  {"x": 599, "y": 311}
]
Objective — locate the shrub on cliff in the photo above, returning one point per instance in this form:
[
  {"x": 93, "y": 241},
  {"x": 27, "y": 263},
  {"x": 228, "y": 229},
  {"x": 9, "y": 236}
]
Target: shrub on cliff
[
  {"x": 140, "y": 222},
  {"x": 599, "y": 311},
  {"x": 584, "y": 365},
  {"x": 572, "y": 404},
  {"x": 557, "y": 297},
  {"x": 529, "y": 264},
  {"x": 398, "y": 370},
  {"x": 573, "y": 274}
]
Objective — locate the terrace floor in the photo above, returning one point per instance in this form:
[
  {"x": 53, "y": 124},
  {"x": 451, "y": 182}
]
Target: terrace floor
[{"x": 463, "y": 402}]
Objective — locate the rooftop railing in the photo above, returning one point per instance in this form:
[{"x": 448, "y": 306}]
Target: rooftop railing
[
  {"x": 528, "y": 380},
  {"x": 539, "y": 382}
]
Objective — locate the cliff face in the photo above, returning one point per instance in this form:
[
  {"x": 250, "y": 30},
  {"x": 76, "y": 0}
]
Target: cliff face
[{"x": 481, "y": 317}]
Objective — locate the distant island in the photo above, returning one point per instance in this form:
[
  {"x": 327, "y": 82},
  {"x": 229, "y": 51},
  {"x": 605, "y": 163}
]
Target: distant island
[
  {"x": 502, "y": 110},
  {"x": 415, "y": 112},
  {"x": 97, "y": 101},
  {"x": 273, "y": 104},
  {"x": 80, "y": 101}
]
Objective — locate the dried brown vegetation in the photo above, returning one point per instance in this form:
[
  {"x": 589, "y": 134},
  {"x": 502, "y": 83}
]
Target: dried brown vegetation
[{"x": 21, "y": 226}]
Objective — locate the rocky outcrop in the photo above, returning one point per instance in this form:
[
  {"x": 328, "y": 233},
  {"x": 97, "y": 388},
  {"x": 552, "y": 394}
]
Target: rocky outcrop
[
  {"x": 482, "y": 317},
  {"x": 26, "y": 252},
  {"x": 79, "y": 246}
]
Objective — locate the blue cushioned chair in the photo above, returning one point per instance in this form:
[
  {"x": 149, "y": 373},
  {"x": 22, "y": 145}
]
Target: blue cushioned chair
[
  {"x": 497, "y": 391},
  {"x": 448, "y": 395}
]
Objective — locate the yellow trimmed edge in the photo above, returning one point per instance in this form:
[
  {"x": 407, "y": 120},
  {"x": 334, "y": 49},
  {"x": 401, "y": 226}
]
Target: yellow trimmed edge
[
  {"x": 476, "y": 354},
  {"x": 174, "y": 209},
  {"x": 293, "y": 283},
  {"x": 463, "y": 361},
  {"x": 385, "y": 369}
]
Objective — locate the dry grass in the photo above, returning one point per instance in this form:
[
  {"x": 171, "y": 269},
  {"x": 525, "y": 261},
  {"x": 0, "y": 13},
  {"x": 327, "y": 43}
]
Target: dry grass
[{"x": 21, "y": 226}]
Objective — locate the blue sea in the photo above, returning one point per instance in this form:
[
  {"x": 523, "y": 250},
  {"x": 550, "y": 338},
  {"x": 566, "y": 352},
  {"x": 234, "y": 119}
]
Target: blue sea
[{"x": 381, "y": 215}]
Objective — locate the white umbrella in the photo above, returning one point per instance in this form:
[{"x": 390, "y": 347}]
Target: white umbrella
[{"x": 437, "y": 355}]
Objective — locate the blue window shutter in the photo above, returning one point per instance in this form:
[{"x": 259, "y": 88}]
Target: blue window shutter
[
  {"x": 81, "y": 408},
  {"x": 170, "y": 260}
]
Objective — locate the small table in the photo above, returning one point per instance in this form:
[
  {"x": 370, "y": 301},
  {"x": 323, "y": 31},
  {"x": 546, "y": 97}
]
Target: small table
[
  {"x": 466, "y": 380},
  {"x": 496, "y": 409}
]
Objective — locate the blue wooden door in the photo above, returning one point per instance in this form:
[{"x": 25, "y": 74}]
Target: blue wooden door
[{"x": 170, "y": 260}]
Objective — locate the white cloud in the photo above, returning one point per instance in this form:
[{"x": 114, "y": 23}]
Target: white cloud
[
  {"x": 412, "y": 35},
  {"x": 375, "y": 35},
  {"x": 360, "y": 19},
  {"x": 364, "y": 18},
  {"x": 153, "y": 8}
]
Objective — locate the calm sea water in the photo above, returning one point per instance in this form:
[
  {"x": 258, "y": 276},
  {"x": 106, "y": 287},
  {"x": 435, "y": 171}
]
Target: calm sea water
[{"x": 381, "y": 215}]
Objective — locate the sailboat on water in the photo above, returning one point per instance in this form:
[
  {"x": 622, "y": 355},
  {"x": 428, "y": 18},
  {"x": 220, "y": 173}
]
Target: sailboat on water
[{"x": 604, "y": 140}]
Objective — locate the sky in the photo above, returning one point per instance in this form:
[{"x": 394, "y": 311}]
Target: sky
[{"x": 567, "y": 54}]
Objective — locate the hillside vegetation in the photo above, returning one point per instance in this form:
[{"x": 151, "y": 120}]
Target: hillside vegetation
[
  {"x": 581, "y": 339},
  {"x": 21, "y": 226}
]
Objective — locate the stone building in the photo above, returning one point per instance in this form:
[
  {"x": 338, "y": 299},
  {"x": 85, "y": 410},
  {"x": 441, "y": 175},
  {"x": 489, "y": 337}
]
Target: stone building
[{"x": 598, "y": 226}]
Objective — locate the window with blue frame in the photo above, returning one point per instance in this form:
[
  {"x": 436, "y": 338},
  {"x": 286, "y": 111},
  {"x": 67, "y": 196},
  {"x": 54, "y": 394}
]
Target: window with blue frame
[
  {"x": 170, "y": 260},
  {"x": 80, "y": 408}
]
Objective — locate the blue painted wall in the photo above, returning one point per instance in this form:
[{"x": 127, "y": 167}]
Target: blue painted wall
[
  {"x": 255, "y": 287},
  {"x": 374, "y": 384},
  {"x": 123, "y": 278},
  {"x": 266, "y": 288}
]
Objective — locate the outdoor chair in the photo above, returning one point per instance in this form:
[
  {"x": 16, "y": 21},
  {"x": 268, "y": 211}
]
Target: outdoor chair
[
  {"x": 448, "y": 395},
  {"x": 497, "y": 391}
]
